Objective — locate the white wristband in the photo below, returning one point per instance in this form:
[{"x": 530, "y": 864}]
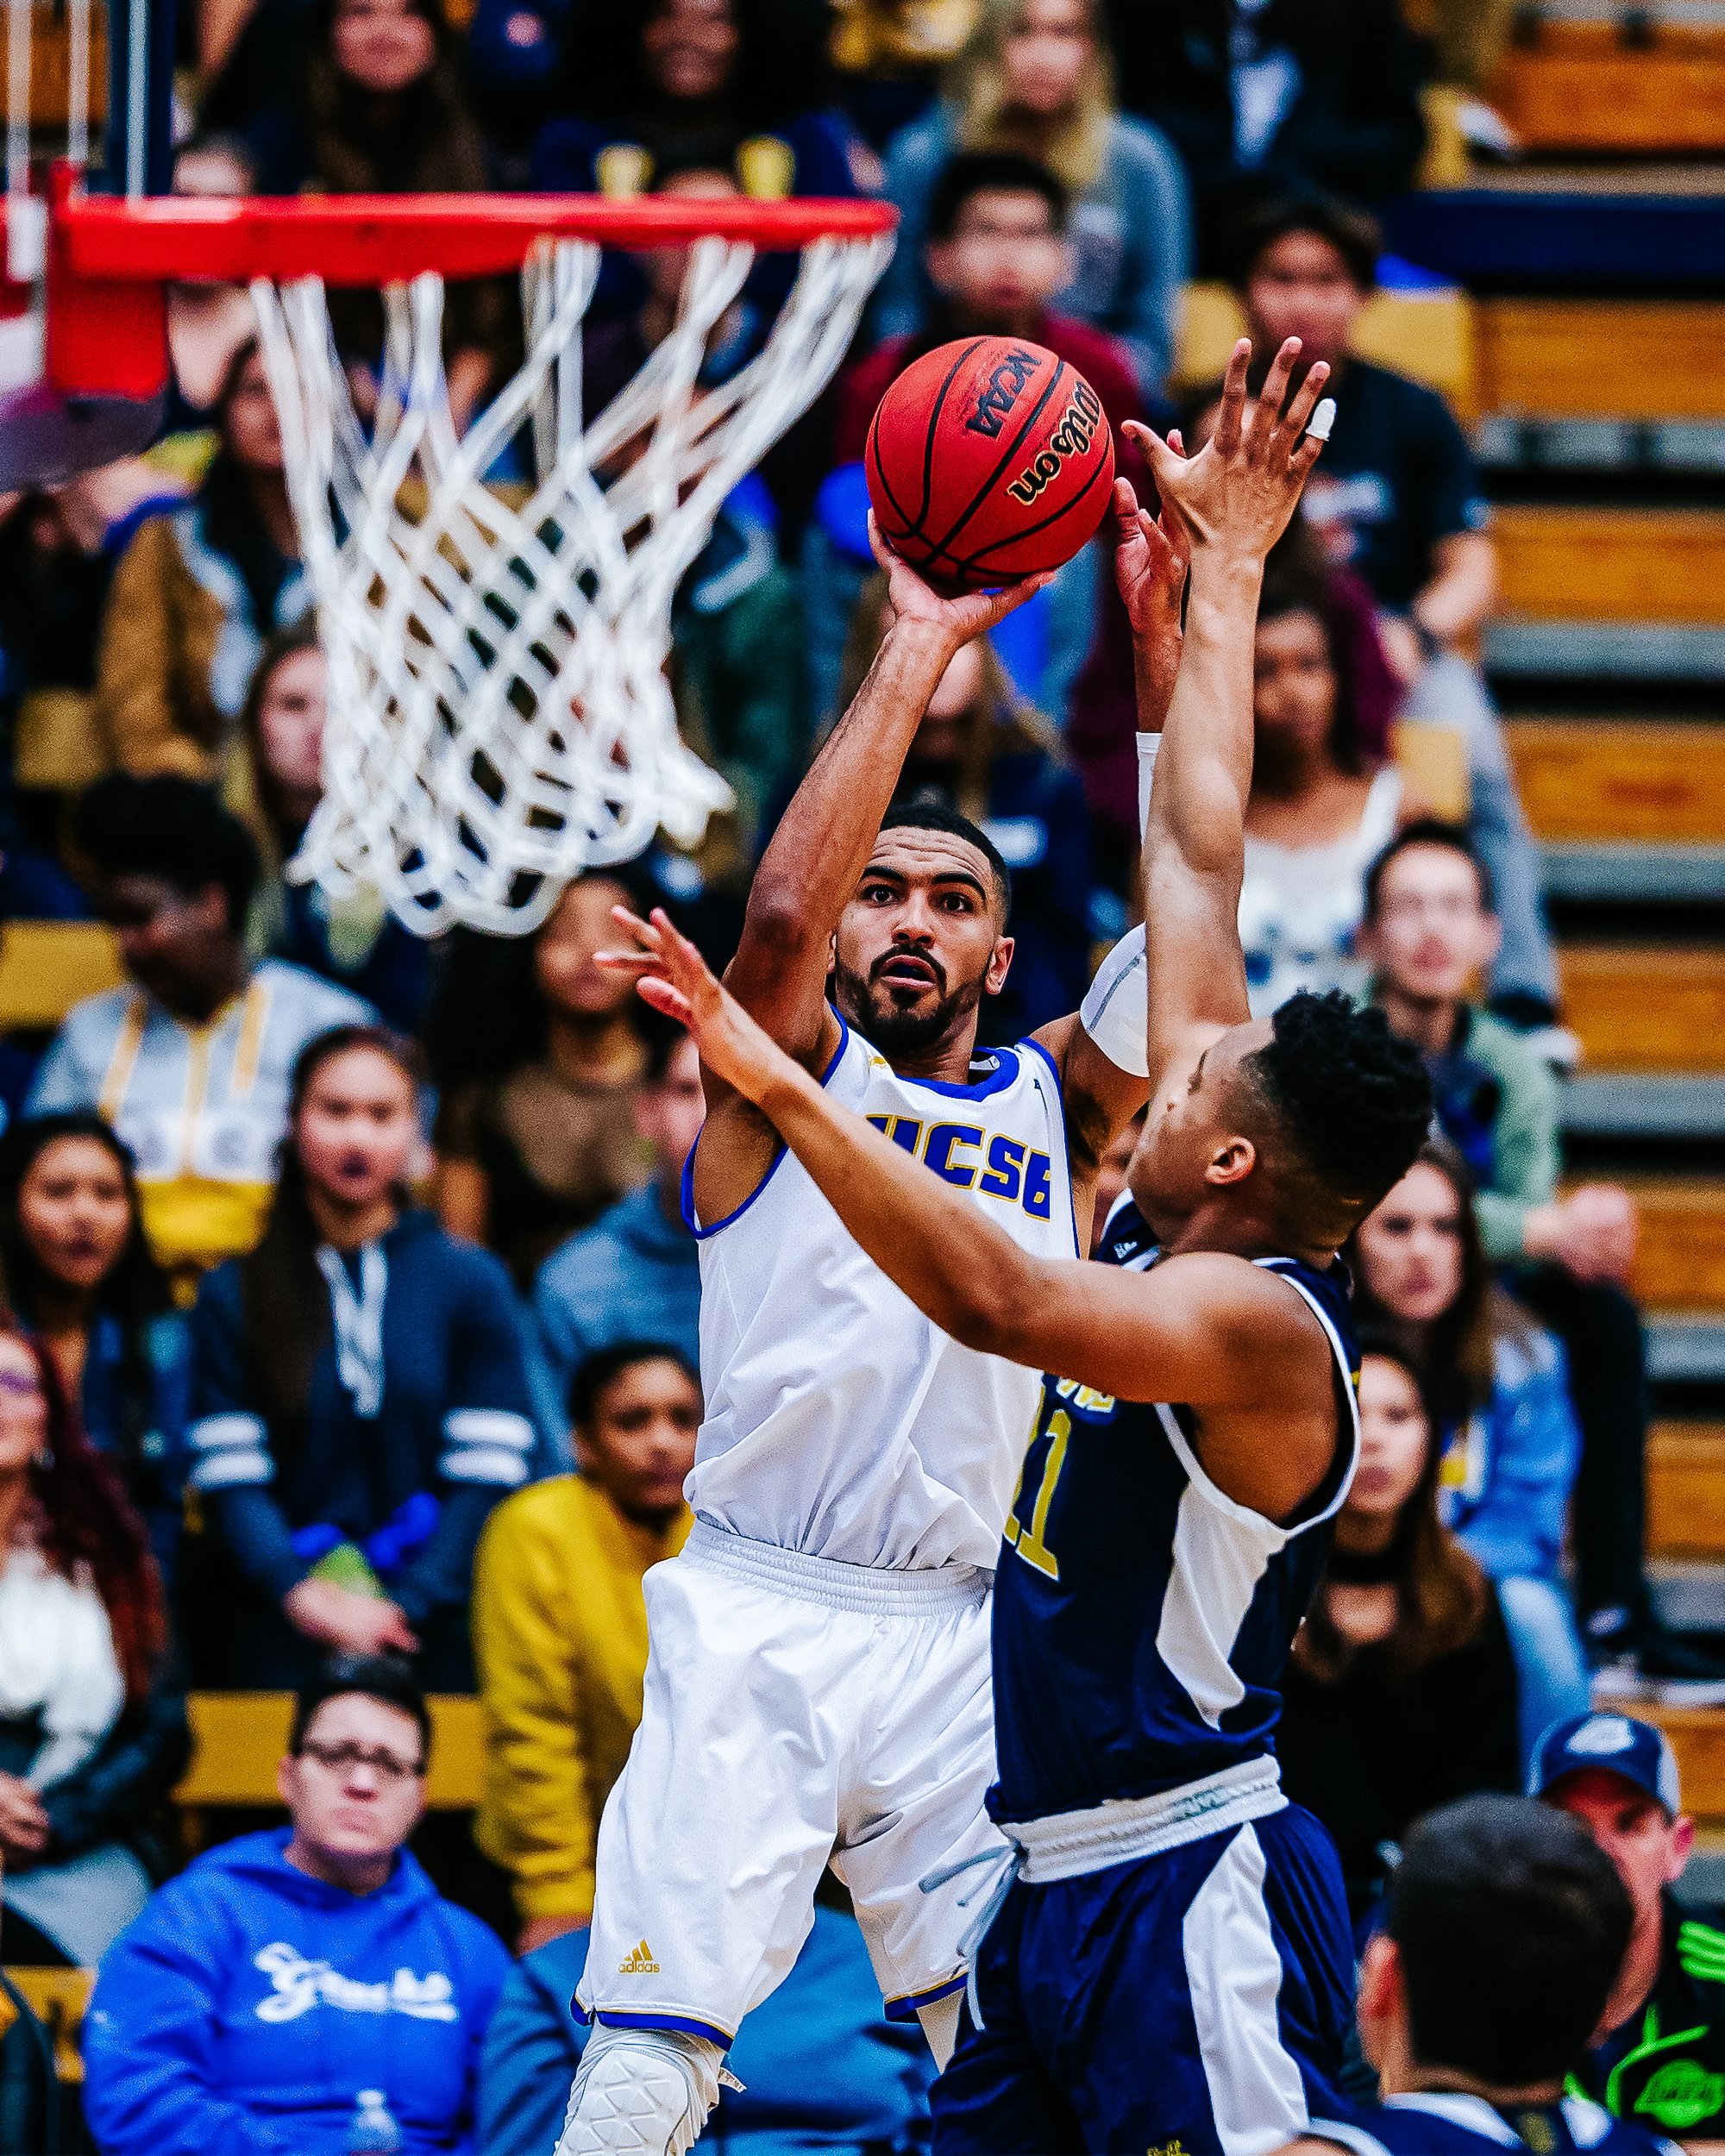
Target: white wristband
[
  {"x": 1116, "y": 1008},
  {"x": 1148, "y": 747}
]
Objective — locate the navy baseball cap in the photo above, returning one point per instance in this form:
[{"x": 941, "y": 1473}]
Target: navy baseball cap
[{"x": 1635, "y": 1752}]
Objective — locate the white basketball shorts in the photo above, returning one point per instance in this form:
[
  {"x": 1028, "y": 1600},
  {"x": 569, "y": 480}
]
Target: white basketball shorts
[{"x": 796, "y": 1710}]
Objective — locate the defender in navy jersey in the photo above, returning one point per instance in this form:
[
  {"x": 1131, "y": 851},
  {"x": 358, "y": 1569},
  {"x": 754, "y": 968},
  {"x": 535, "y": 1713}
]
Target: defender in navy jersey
[
  {"x": 1502, "y": 1942},
  {"x": 1168, "y": 1960}
]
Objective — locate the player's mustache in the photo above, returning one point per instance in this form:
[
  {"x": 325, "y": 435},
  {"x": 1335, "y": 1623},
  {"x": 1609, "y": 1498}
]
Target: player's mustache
[{"x": 905, "y": 950}]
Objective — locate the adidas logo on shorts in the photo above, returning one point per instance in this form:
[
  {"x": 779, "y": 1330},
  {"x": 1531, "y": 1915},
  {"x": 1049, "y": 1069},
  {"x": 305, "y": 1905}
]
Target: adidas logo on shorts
[{"x": 638, "y": 1962}]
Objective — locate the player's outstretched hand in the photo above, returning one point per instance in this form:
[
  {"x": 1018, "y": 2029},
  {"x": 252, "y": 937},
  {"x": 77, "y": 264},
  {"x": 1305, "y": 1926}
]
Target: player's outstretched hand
[
  {"x": 1151, "y": 556},
  {"x": 671, "y": 975},
  {"x": 1241, "y": 489},
  {"x": 965, "y": 614}
]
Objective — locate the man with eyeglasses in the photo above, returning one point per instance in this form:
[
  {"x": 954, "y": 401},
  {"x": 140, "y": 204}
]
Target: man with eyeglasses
[{"x": 307, "y": 1989}]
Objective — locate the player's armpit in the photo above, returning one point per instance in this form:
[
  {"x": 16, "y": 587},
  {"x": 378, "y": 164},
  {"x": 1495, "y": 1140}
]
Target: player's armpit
[{"x": 1098, "y": 1098}]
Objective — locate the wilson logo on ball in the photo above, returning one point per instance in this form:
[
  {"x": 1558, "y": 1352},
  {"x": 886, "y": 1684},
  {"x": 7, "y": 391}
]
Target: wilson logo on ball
[
  {"x": 1005, "y": 387},
  {"x": 988, "y": 459},
  {"x": 1072, "y": 437}
]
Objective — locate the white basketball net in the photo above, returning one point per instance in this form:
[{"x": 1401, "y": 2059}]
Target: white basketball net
[{"x": 499, "y": 718}]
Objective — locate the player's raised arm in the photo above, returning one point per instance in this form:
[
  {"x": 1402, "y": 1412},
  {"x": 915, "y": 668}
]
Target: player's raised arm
[
  {"x": 822, "y": 845},
  {"x": 811, "y": 866},
  {"x": 1233, "y": 500}
]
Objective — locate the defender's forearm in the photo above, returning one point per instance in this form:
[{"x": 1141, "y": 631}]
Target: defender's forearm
[{"x": 954, "y": 1264}]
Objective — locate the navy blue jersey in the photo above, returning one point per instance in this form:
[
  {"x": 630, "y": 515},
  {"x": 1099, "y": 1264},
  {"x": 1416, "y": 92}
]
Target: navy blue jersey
[
  {"x": 1142, "y": 1619},
  {"x": 1449, "y": 2124}
]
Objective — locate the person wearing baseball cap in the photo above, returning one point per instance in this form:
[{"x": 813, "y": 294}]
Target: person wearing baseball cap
[{"x": 1659, "y": 2054}]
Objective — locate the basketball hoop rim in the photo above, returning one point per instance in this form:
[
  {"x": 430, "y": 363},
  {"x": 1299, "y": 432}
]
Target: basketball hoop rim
[{"x": 358, "y": 239}]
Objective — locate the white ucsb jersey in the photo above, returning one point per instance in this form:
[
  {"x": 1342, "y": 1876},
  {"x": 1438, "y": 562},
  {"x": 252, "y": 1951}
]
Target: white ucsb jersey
[{"x": 840, "y": 1422}]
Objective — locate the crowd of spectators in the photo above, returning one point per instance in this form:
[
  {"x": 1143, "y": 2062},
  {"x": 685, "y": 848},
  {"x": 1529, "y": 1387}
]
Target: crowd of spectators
[{"x": 352, "y": 1332}]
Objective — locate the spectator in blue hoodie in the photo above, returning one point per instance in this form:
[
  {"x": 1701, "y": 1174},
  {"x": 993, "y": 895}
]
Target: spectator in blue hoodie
[
  {"x": 1499, "y": 1386},
  {"x": 296, "y": 1985},
  {"x": 818, "y": 2065},
  {"x": 360, "y": 1396},
  {"x": 635, "y": 1274}
]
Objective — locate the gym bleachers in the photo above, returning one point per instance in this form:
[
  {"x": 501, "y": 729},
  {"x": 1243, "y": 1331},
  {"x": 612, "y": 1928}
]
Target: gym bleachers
[{"x": 1592, "y": 264}]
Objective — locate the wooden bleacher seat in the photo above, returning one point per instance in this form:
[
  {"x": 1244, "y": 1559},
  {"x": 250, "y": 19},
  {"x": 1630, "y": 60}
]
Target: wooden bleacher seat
[
  {"x": 1645, "y": 1008},
  {"x": 1431, "y": 756},
  {"x": 1687, "y": 1490},
  {"x": 58, "y": 1998},
  {"x": 47, "y": 966},
  {"x": 1611, "y": 565},
  {"x": 1585, "y": 359},
  {"x": 1592, "y": 780},
  {"x": 1698, "y": 1737},
  {"x": 1581, "y": 86},
  {"x": 1426, "y": 334},
  {"x": 1680, "y": 1261},
  {"x": 51, "y": 65},
  {"x": 239, "y": 1737}
]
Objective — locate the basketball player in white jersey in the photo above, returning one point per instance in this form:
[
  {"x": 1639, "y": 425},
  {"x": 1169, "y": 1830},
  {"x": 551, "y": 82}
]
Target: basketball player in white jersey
[{"x": 818, "y": 1684}]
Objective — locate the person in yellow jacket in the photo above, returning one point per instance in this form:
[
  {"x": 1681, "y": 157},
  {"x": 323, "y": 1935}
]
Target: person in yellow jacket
[{"x": 560, "y": 1625}]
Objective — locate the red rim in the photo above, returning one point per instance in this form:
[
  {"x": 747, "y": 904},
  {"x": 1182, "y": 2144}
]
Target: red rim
[{"x": 381, "y": 239}]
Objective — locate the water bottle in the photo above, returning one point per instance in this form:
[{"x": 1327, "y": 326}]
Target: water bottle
[{"x": 373, "y": 2132}]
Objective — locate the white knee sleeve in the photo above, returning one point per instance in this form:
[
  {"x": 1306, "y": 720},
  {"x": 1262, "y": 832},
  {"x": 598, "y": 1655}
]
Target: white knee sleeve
[
  {"x": 940, "y": 2026},
  {"x": 640, "y": 2092}
]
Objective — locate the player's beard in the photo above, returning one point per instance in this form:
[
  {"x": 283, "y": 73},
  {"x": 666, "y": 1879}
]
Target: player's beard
[{"x": 870, "y": 1005}]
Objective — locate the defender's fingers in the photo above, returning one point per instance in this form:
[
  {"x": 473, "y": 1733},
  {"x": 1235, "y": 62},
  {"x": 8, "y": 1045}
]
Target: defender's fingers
[
  {"x": 633, "y": 922},
  {"x": 1231, "y": 420},
  {"x": 658, "y": 991},
  {"x": 1305, "y": 402},
  {"x": 1125, "y": 504},
  {"x": 1274, "y": 393}
]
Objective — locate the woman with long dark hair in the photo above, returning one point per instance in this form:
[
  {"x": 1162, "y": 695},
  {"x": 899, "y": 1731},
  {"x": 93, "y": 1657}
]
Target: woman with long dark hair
[
  {"x": 1400, "y": 1691},
  {"x": 1321, "y": 806},
  {"x": 366, "y": 97},
  {"x": 198, "y": 590},
  {"x": 361, "y": 1398},
  {"x": 274, "y": 784},
  {"x": 92, "y": 1717},
  {"x": 1508, "y": 1442},
  {"x": 77, "y": 1269}
]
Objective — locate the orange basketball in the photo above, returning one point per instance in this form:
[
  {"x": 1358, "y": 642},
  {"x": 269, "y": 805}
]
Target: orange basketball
[{"x": 989, "y": 460}]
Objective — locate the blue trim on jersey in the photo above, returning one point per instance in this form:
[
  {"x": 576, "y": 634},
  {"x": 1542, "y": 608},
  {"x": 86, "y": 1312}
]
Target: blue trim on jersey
[
  {"x": 686, "y": 1193},
  {"x": 907, "y": 2009},
  {"x": 1037, "y": 1048},
  {"x": 684, "y": 2024},
  {"x": 996, "y": 1081}
]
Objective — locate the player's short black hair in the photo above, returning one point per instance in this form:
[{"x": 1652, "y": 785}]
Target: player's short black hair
[
  {"x": 380, "y": 1676},
  {"x": 973, "y": 172},
  {"x": 1354, "y": 236},
  {"x": 170, "y": 828},
  {"x": 1426, "y": 830},
  {"x": 928, "y": 816},
  {"x": 1512, "y": 1925},
  {"x": 1352, "y": 1098},
  {"x": 594, "y": 1372}
]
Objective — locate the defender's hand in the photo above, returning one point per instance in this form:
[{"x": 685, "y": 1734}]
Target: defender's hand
[
  {"x": 1241, "y": 491},
  {"x": 672, "y": 975}
]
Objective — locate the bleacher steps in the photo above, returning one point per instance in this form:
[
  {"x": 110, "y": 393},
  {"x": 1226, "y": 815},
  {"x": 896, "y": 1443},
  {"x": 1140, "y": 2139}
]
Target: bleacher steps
[
  {"x": 1687, "y": 1490},
  {"x": 1641, "y": 1008},
  {"x": 1621, "y": 781}
]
